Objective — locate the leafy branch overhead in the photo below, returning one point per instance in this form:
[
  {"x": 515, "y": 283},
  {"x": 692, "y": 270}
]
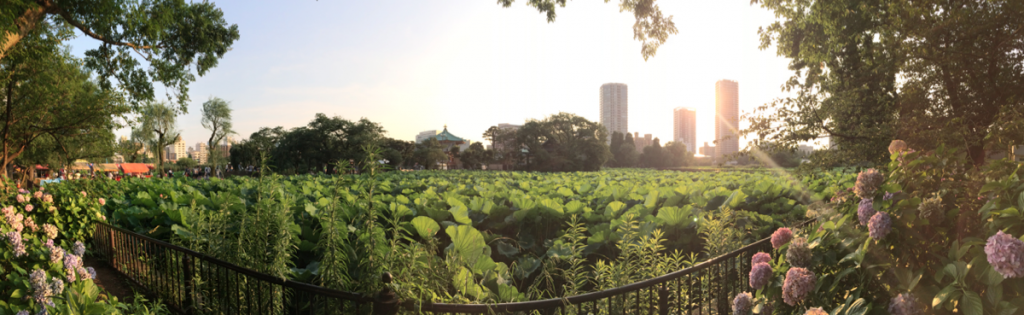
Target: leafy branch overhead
[
  {"x": 651, "y": 28},
  {"x": 142, "y": 42}
]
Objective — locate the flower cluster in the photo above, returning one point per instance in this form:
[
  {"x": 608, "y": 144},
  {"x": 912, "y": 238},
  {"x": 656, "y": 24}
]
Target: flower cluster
[
  {"x": 842, "y": 195},
  {"x": 760, "y": 274},
  {"x": 760, "y": 257},
  {"x": 20, "y": 198},
  {"x": 31, "y": 225},
  {"x": 78, "y": 249},
  {"x": 103, "y": 201},
  {"x": 56, "y": 253},
  {"x": 815, "y": 311},
  {"x": 781, "y": 237},
  {"x": 38, "y": 194},
  {"x": 799, "y": 254},
  {"x": 798, "y": 284},
  {"x": 1006, "y": 254},
  {"x": 865, "y": 210},
  {"x": 867, "y": 183},
  {"x": 931, "y": 209},
  {"x": 50, "y": 230},
  {"x": 48, "y": 198},
  {"x": 904, "y": 304},
  {"x": 15, "y": 220},
  {"x": 15, "y": 239},
  {"x": 742, "y": 304},
  {"x": 888, "y": 195},
  {"x": 74, "y": 269},
  {"x": 41, "y": 291},
  {"x": 879, "y": 226},
  {"x": 897, "y": 146},
  {"x": 767, "y": 308}
]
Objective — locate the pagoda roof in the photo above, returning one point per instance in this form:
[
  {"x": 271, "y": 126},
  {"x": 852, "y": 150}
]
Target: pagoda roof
[{"x": 447, "y": 136}]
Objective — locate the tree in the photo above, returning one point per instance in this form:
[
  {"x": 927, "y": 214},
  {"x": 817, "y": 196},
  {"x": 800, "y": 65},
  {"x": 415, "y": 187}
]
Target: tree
[
  {"x": 676, "y": 154},
  {"x": 616, "y": 159},
  {"x": 175, "y": 38},
  {"x": 159, "y": 128},
  {"x": 130, "y": 148},
  {"x": 564, "y": 142},
  {"x": 49, "y": 97},
  {"x": 626, "y": 152},
  {"x": 651, "y": 28},
  {"x": 474, "y": 156},
  {"x": 429, "y": 153},
  {"x": 504, "y": 148},
  {"x": 653, "y": 155},
  {"x": 958, "y": 66},
  {"x": 217, "y": 119},
  {"x": 186, "y": 163}
]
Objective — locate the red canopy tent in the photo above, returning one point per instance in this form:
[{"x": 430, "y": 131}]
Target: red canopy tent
[{"x": 134, "y": 168}]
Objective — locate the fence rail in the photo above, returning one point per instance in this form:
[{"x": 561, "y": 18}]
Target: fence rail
[{"x": 194, "y": 283}]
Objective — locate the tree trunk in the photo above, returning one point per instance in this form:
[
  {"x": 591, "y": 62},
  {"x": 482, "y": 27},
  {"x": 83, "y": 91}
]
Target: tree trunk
[{"x": 25, "y": 24}]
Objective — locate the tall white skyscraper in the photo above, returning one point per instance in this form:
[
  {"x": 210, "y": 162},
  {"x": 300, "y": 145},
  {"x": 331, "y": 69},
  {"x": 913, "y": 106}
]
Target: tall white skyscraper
[
  {"x": 727, "y": 116},
  {"x": 684, "y": 127},
  {"x": 615, "y": 108}
]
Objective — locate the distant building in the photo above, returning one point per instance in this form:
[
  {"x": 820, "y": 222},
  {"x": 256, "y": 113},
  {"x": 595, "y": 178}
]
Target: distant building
[
  {"x": 804, "y": 149},
  {"x": 708, "y": 151},
  {"x": 615, "y": 108},
  {"x": 727, "y": 117},
  {"x": 501, "y": 145},
  {"x": 176, "y": 151},
  {"x": 424, "y": 135},
  {"x": 200, "y": 153},
  {"x": 684, "y": 127},
  {"x": 641, "y": 143}
]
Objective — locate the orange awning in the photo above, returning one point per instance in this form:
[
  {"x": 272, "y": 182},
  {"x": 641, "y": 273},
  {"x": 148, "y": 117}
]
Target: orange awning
[{"x": 130, "y": 168}]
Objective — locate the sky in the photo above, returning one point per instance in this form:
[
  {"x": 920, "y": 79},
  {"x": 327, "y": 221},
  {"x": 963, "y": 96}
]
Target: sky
[{"x": 419, "y": 65}]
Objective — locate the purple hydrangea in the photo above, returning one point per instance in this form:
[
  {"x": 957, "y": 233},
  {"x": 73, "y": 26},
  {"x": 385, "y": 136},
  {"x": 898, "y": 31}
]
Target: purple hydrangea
[
  {"x": 888, "y": 196},
  {"x": 40, "y": 289},
  {"x": 23, "y": 312},
  {"x": 760, "y": 274},
  {"x": 56, "y": 254},
  {"x": 767, "y": 308},
  {"x": 799, "y": 254},
  {"x": 1006, "y": 255},
  {"x": 15, "y": 239},
  {"x": 78, "y": 249},
  {"x": 798, "y": 284},
  {"x": 84, "y": 273},
  {"x": 867, "y": 183},
  {"x": 879, "y": 226},
  {"x": 815, "y": 311},
  {"x": 71, "y": 265},
  {"x": 742, "y": 304},
  {"x": 904, "y": 304},
  {"x": 56, "y": 286},
  {"x": 760, "y": 257},
  {"x": 22, "y": 191},
  {"x": 91, "y": 271},
  {"x": 865, "y": 211},
  {"x": 781, "y": 237}
]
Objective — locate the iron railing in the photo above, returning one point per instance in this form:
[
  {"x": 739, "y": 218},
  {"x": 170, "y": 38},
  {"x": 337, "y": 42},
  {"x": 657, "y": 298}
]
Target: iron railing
[{"x": 194, "y": 283}]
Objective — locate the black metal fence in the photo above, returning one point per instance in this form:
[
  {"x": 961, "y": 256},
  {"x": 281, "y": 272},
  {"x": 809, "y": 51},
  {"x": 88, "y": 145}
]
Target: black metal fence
[{"x": 194, "y": 283}]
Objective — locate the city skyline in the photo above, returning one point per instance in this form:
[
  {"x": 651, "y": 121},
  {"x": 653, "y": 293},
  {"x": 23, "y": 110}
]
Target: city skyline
[
  {"x": 727, "y": 117},
  {"x": 421, "y": 67},
  {"x": 614, "y": 107}
]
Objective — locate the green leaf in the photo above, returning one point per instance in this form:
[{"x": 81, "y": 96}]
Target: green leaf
[
  {"x": 675, "y": 216},
  {"x": 613, "y": 208},
  {"x": 573, "y": 206},
  {"x": 652, "y": 199},
  {"x": 943, "y": 295},
  {"x": 311, "y": 209},
  {"x": 971, "y": 303},
  {"x": 465, "y": 282},
  {"x": 525, "y": 266},
  {"x": 425, "y": 226},
  {"x": 461, "y": 214},
  {"x": 565, "y": 192},
  {"x": 467, "y": 243},
  {"x": 507, "y": 250}
]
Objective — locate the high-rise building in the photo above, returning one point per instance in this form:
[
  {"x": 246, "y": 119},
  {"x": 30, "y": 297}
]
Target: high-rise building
[
  {"x": 176, "y": 151},
  {"x": 615, "y": 108},
  {"x": 684, "y": 127},
  {"x": 727, "y": 117}
]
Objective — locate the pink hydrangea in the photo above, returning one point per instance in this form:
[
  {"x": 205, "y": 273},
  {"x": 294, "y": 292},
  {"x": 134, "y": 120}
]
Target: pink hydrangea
[
  {"x": 781, "y": 237},
  {"x": 815, "y": 311},
  {"x": 20, "y": 198},
  {"x": 38, "y": 194},
  {"x": 29, "y": 207},
  {"x": 865, "y": 210},
  {"x": 22, "y": 191},
  {"x": 31, "y": 225},
  {"x": 1006, "y": 255},
  {"x": 867, "y": 183},
  {"x": 742, "y": 304},
  {"x": 798, "y": 284},
  {"x": 904, "y": 304},
  {"x": 879, "y": 226},
  {"x": 103, "y": 201},
  {"x": 760, "y": 275},
  {"x": 48, "y": 198},
  {"x": 50, "y": 230},
  {"x": 760, "y": 257}
]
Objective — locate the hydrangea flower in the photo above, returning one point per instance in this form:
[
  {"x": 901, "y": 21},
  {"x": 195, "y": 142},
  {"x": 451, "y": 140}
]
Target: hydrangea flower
[
  {"x": 38, "y": 194},
  {"x": 760, "y": 257},
  {"x": 781, "y": 237},
  {"x": 742, "y": 304},
  {"x": 84, "y": 194},
  {"x": 56, "y": 254},
  {"x": 56, "y": 286},
  {"x": 20, "y": 198},
  {"x": 798, "y": 253},
  {"x": 103, "y": 201},
  {"x": 865, "y": 210},
  {"x": 84, "y": 273},
  {"x": 22, "y": 191},
  {"x": 760, "y": 274},
  {"x": 1006, "y": 255},
  {"x": 15, "y": 239},
  {"x": 50, "y": 230},
  {"x": 29, "y": 207},
  {"x": 904, "y": 304},
  {"x": 17, "y": 221},
  {"x": 879, "y": 226},
  {"x": 48, "y": 198},
  {"x": 815, "y": 311},
  {"x": 897, "y": 146},
  {"x": 931, "y": 209},
  {"x": 40, "y": 289},
  {"x": 78, "y": 249},
  {"x": 867, "y": 183},
  {"x": 23, "y": 312},
  {"x": 799, "y": 282},
  {"x": 71, "y": 265},
  {"x": 91, "y": 271},
  {"x": 767, "y": 308},
  {"x": 31, "y": 225},
  {"x": 8, "y": 211}
]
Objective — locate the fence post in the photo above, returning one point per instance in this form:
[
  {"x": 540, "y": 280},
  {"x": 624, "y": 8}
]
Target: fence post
[
  {"x": 662, "y": 300},
  {"x": 385, "y": 302},
  {"x": 186, "y": 264}
]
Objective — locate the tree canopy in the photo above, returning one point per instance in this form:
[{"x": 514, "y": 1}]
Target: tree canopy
[
  {"x": 870, "y": 71},
  {"x": 141, "y": 42},
  {"x": 217, "y": 119}
]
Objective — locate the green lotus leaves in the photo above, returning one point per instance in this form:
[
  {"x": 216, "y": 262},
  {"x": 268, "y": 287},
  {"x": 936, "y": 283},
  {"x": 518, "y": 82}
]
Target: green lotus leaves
[
  {"x": 525, "y": 266},
  {"x": 674, "y": 216},
  {"x": 425, "y": 227}
]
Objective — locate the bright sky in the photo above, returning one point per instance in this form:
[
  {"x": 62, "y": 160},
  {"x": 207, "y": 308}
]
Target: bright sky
[{"x": 417, "y": 65}]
